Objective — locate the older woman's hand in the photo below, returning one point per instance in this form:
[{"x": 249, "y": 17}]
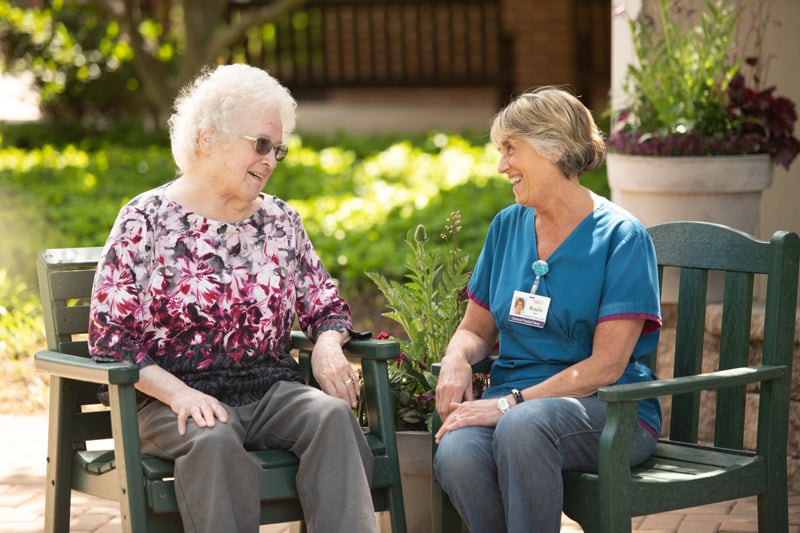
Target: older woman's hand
[
  {"x": 184, "y": 401},
  {"x": 332, "y": 370},
  {"x": 204, "y": 409}
]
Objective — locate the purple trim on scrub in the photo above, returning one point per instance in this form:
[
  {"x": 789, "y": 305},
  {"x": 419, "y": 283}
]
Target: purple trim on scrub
[
  {"x": 477, "y": 300},
  {"x": 652, "y": 322}
]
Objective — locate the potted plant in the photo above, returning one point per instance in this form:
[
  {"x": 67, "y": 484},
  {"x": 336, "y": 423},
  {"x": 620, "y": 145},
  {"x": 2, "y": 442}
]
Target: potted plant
[
  {"x": 429, "y": 304},
  {"x": 692, "y": 125}
]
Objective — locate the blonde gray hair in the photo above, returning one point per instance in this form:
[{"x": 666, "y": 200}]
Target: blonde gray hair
[
  {"x": 555, "y": 124},
  {"x": 217, "y": 99}
]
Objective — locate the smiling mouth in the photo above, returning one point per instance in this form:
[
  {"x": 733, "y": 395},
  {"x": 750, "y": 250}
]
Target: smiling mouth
[
  {"x": 515, "y": 180},
  {"x": 259, "y": 177}
]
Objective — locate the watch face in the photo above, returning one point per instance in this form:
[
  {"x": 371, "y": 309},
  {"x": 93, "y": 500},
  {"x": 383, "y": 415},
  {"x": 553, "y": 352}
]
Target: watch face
[{"x": 503, "y": 405}]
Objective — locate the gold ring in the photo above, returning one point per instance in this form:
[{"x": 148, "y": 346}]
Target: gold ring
[{"x": 349, "y": 381}]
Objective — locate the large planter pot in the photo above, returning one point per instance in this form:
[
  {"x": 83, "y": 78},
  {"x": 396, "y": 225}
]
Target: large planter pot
[
  {"x": 722, "y": 189},
  {"x": 414, "y": 448}
]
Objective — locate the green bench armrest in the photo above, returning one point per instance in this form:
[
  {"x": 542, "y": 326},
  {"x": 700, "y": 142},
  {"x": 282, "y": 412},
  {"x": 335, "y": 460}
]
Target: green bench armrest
[
  {"x": 373, "y": 349},
  {"x": 85, "y": 369},
  {"x": 711, "y": 380},
  {"x": 617, "y": 436}
]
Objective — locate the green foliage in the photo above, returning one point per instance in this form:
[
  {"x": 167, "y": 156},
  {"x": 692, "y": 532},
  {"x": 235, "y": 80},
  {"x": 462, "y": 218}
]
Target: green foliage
[
  {"x": 357, "y": 223},
  {"x": 38, "y": 134},
  {"x": 680, "y": 83},
  {"x": 69, "y": 197},
  {"x": 83, "y": 69},
  {"x": 355, "y": 208},
  {"x": 21, "y": 326},
  {"x": 429, "y": 305}
]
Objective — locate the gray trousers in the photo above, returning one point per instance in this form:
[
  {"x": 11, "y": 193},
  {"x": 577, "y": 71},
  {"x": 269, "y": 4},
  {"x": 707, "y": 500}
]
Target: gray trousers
[{"x": 217, "y": 483}]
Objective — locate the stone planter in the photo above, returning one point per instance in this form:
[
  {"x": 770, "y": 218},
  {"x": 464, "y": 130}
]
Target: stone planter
[
  {"x": 722, "y": 189},
  {"x": 414, "y": 448}
]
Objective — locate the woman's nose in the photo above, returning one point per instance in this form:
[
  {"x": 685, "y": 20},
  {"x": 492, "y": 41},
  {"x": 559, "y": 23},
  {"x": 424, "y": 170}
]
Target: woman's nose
[
  {"x": 269, "y": 159},
  {"x": 502, "y": 165}
]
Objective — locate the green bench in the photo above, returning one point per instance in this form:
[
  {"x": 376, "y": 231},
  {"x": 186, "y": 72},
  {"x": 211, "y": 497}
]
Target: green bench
[
  {"x": 142, "y": 484},
  {"x": 684, "y": 472}
]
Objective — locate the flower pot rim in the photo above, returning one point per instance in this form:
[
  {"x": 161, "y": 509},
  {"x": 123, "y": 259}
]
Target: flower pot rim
[
  {"x": 759, "y": 156},
  {"x": 689, "y": 174}
]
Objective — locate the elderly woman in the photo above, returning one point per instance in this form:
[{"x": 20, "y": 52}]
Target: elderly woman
[
  {"x": 199, "y": 284},
  {"x": 586, "y": 270}
]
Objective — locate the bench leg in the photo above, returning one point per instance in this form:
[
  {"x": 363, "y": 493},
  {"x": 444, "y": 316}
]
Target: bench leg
[
  {"x": 773, "y": 507},
  {"x": 59, "y": 457},
  {"x": 445, "y": 517},
  {"x": 133, "y": 510},
  {"x": 396, "y": 509}
]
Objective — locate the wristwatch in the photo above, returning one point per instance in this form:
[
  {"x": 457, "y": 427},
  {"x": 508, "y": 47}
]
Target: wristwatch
[
  {"x": 517, "y": 396},
  {"x": 503, "y": 405}
]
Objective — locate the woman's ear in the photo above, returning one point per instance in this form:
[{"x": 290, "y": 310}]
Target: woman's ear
[{"x": 205, "y": 141}]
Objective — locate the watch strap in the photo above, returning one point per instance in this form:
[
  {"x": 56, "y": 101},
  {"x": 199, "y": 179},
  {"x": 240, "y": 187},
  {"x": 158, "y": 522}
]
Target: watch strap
[{"x": 517, "y": 396}]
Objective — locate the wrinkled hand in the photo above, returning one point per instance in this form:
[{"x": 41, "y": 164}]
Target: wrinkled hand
[
  {"x": 473, "y": 413},
  {"x": 454, "y": 385},
  {"x": 201, "y": 407},
  {"x": 332, "y": 370}
]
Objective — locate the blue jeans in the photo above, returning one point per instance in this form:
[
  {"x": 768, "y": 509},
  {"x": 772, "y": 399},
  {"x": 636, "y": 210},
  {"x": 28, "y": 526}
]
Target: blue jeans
[{"x": 508, "y": 478}]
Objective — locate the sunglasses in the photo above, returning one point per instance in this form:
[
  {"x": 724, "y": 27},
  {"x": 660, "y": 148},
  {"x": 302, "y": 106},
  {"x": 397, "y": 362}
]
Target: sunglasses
[{"x": 263, "y": 146}]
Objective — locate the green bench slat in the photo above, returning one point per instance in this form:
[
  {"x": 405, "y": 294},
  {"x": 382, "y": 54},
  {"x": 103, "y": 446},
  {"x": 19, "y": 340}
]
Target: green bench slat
[
  {"x": 156, "y": 468},
  {"x": 671, "y": 462},
  {"x": 74, "y": 348},
  {"x": 97, "y": 462},
  {"x": 72, "y": 320},
  {"x": 66, "y": 285}
]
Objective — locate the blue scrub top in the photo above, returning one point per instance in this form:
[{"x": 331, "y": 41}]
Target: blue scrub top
[{"x": 604, "y": 270}]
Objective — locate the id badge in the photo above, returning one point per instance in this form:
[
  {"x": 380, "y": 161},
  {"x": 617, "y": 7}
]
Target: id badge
[{"x": 529, "y": 309}]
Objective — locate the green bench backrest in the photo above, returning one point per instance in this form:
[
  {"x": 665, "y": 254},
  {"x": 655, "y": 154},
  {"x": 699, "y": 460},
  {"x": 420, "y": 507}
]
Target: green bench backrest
[
  {"x": 741, "y": 258},
  {"x": 65, "y": 285},
  {"x": 66, "y": 303}
]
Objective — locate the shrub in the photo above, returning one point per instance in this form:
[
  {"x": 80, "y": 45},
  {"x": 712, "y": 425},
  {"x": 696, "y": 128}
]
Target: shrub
[
  {"x": 83, "y": 69},
  {"x": 21, "y": 326}
]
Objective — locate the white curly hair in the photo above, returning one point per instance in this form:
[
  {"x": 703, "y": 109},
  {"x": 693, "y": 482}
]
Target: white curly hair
[{"x": 217, "y": 99}]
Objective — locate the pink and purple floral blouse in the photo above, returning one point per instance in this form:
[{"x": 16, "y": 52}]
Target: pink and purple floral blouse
[{"x": 211, "y": 302}]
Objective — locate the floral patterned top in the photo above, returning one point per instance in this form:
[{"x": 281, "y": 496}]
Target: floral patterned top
[{"x": 211, "y": 302}]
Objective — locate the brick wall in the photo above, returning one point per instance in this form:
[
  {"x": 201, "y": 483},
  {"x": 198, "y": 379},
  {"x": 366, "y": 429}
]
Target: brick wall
[
  {"x": 543, "y": 35},
  {"x": 561, "y": 42}
]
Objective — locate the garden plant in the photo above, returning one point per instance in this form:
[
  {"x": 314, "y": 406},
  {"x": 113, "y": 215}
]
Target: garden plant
[
  {"x": 429, "y": 304},
  {"x": 693, "y": 92}
]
